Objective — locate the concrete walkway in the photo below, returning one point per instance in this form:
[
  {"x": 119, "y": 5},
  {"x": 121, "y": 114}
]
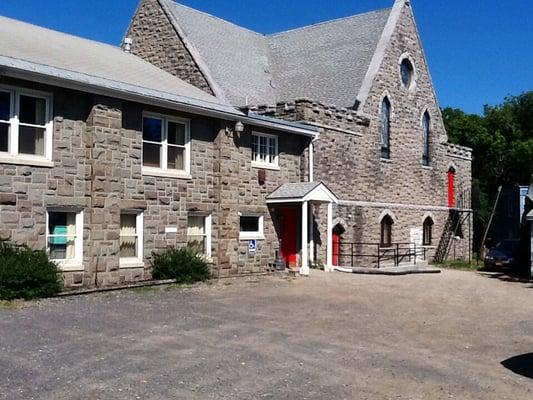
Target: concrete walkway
[{"x": 401, "y": 270}]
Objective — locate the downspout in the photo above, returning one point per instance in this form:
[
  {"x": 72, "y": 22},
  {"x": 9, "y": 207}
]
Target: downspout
[{"x": 311, "y": 150}]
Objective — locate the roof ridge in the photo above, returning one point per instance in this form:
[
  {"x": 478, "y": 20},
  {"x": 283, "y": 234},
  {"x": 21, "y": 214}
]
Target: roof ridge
[
  {"x": 71, "y": 35},
  {"x": 174, "y": 2},
  {"x": 331, "y": 21}
]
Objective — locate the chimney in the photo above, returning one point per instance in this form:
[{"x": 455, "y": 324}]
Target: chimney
[{"x": 127, "y": 44}]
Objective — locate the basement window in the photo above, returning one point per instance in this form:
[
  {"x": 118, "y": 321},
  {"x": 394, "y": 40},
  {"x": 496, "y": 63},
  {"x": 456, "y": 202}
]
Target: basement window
[
  {"x": 64, "y": 237},
  {"x": 131, "y": 239},
  {"x": 199, "y": 233},
  {"x": 251, "y": 227}
]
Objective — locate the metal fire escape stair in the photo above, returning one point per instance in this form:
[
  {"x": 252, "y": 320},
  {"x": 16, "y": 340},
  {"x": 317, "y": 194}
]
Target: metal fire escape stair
[{"x": 456, "y": 218}]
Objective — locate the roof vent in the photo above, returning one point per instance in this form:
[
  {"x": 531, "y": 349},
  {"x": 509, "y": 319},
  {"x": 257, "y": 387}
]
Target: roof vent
[{"x": 127, "y": 44}]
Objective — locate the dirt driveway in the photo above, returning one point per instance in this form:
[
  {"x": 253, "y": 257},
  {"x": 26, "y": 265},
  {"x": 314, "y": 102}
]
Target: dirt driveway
[{"x": 330, "y": 336}]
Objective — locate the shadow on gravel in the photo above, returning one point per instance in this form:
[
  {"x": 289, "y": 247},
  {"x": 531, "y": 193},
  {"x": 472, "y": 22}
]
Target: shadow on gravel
[
  {"x": 506, "y": 276},
  {"x": 521, "y": 365}
]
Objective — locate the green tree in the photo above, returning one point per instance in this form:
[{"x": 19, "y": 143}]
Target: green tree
[{"x": 502, "y": 143}]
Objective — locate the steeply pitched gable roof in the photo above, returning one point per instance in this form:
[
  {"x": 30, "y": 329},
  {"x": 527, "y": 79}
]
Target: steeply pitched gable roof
[{"x": 325, "y": 62}]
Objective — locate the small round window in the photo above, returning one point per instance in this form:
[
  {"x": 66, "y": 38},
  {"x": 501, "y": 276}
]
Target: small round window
[{"x": 407, "y": 70}]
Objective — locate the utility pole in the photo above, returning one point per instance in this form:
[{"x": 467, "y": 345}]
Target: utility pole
[{"x": 482, "y": 247}]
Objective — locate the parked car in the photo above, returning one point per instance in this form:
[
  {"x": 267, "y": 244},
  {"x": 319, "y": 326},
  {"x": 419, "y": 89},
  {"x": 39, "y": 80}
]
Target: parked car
[{"x": 504, "y": 254}]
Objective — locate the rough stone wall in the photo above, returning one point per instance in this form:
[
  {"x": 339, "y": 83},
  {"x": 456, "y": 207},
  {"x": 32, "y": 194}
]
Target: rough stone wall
[
  {"x": 240, "y": 192},
  {"x": 347, "y": 153},
  {"x": 403, "y": 179},
  {"x": 97, "y": 145},
  {"x": 156, "y": 41}
]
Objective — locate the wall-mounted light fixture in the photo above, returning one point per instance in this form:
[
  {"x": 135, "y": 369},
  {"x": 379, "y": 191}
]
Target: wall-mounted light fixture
[{"x": 239, "y": 127}]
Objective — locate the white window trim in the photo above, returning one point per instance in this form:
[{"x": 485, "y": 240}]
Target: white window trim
[
  {"x": 76, "y": 263},
  {"x": 135, "y": 262},
  {"x": 257, "y": 235},
  {"x": 164, "y": 171},
  {"x": 266, "y": 165},
  {"x": 13, "y": 156},
  {"x": 208, "y": 226}
]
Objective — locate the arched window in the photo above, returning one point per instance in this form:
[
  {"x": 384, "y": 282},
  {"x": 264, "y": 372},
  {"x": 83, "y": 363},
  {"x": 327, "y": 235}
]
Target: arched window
[
  {"x": 428, "y": 232},
  {"x": 386, "y": 231},
  {"x": 338, "y": 230},
  {"x": 385, "y": 128},
  {"x": 406, "y": 71},
  {"x": 426, "y": 126}
]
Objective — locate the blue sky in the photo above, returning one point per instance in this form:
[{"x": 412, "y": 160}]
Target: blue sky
[{"x": 479, "y": 51}]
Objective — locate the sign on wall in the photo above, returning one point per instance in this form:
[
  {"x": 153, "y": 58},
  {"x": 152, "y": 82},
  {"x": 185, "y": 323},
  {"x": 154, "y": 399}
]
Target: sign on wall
[{"x": 252, "y": 246}]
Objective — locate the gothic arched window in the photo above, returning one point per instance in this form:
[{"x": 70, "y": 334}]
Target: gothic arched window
[
  {"x": 426, "y": 126},
  {"x": 385, "y": 128}
]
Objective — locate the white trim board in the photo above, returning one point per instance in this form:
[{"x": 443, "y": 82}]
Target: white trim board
[{"x": 371, "y": 204}]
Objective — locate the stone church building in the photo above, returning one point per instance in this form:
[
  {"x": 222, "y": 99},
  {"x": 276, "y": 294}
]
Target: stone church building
[
  {"x": 322, "y": 145},
  {"x": 363, "y": 81}
]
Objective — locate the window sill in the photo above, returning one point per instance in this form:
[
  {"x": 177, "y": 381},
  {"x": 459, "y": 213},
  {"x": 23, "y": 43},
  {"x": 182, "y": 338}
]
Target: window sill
[
  {"x": 386, "y": 160},
  {"x": 21, "y": 160},
  {"x": 427, "y": 167},
  {"x": 69, "y": 266},
  {"x": 271, "y": 167},
  {"x": 166, "y": 174},
  {"x": 130, "y": 263},
  {"x": 258, "y": 236}
]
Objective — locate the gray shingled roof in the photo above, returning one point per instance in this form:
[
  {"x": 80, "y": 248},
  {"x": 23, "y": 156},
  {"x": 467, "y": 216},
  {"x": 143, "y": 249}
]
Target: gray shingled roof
[
  {"x": 324, "y": 62},
  {"x": 30, "y": 47},
  {"x": 293, "y": 190}
]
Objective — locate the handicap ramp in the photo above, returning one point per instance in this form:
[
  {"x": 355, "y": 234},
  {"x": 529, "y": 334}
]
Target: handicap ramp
[{"x": 400, "y": 270}]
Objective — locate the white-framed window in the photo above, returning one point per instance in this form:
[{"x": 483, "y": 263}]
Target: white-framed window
[
  {"x": 199, "y": 233},
  {"x": 131, "y": 238},
  {"x": 264, "y": 149},
  {"x": 166, "y": 144},
  {"x": 64, "y": 237},
  {"x": 25, "y": 124},
  {"x": 251, "y": 227}
]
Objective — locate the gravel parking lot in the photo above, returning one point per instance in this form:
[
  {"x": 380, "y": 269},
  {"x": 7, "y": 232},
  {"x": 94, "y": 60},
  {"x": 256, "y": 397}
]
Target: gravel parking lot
[{"x": 330, "y": 336}]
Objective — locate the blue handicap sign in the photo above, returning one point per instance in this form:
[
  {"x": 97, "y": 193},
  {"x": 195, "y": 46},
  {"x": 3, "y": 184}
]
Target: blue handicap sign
[{"x": 252, "y": 246}]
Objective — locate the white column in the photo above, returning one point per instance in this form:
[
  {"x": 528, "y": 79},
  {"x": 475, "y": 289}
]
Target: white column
[
  {"x": 329, "y": 245},
  {"x": 311, "y": 235},
  {"x": 304, "y": 268},
  {"x": 311, "y": 150}
]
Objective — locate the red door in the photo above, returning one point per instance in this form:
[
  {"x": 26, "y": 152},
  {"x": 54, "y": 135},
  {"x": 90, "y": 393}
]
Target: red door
[
  {"x": 336, "y": 248},
  {"x": 451, "y": 188},
  {"x": 289, "y": 239}
]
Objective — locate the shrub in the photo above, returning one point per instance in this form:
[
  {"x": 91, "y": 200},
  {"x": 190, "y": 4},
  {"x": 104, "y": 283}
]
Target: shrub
[
  {"x": 185, "y": 265},
  {"x": 26, "y": 273}
]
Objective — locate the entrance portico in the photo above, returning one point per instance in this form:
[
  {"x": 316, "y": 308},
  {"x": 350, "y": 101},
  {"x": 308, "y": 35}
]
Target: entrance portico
[{"x": 290, "y": 197}]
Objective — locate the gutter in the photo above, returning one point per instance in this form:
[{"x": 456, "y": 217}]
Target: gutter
[{"x": 21, "y": 69}]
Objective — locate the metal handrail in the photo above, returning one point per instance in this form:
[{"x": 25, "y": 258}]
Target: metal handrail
[{"x": 396, "y": 252}]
